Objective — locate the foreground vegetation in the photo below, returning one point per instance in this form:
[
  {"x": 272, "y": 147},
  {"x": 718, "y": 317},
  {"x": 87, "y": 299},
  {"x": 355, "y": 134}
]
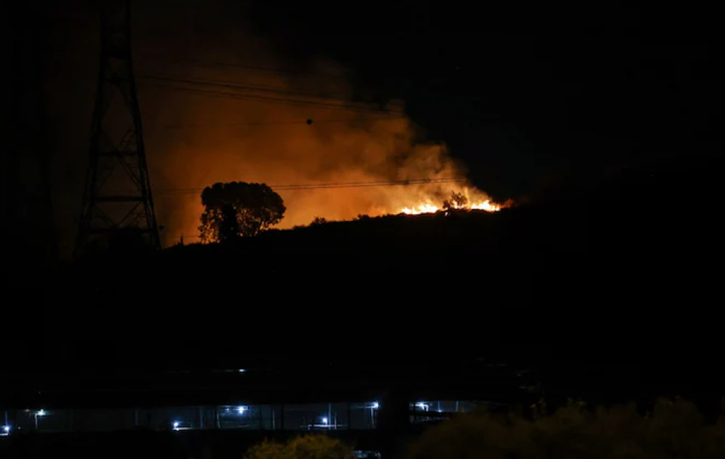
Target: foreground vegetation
[
  {"x": 672, "y": 430},
  {"x": 302, "y": 447},
  {"x": 640, "y": 214}
]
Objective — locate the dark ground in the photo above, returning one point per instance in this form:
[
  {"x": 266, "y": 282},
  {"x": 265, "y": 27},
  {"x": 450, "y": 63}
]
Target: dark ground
[{"x": 612, "y": 288}]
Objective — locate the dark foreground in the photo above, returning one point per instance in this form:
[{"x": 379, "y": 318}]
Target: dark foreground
[
  {"x": 624, "y": 272},
  {"x": 154, "y": 445}
]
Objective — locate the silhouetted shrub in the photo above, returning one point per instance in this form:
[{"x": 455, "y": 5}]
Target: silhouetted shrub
[
  {"x": 302, "y": 447},
  {"x": 672, "y": 430}
]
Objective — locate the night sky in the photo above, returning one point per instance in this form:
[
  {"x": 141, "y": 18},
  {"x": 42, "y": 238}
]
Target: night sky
[
  {"x": 524, "y": 93},
  {"x": 518, "y": 92}
]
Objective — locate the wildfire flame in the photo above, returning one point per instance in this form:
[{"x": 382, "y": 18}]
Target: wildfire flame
[
  {"x": 465, "y": 198},
  {"x": 426, "y": 208},
  {"x": 429, "y": 208}
]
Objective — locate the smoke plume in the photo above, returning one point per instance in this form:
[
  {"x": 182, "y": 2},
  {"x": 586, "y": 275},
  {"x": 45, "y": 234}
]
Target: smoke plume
[{"x": 216, "y": 107}]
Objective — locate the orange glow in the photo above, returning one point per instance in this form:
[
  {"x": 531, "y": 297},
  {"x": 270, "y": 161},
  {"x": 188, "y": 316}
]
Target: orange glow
[
  {"x": 486, "y": 205},
  {"x": 194, "y": 140},
  {"x": 198, "y": 134},
  {"x": 421, "y": 209},
  {"x": 429, "y": 208},
  {"x": 474, "y": 200}
]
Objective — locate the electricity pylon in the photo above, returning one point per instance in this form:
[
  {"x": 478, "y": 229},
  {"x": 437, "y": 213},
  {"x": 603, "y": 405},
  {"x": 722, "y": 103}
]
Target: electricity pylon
[{"x": 117, "y": 198}]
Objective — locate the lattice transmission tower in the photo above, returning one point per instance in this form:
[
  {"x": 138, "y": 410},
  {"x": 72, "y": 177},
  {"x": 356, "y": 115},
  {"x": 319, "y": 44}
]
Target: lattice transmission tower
[{"x": 117, "y": 199}]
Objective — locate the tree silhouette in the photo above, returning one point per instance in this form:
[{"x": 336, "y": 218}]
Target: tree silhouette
[
  {"x": 237, "y": 209},
  {"x": 229, "y": 227}
]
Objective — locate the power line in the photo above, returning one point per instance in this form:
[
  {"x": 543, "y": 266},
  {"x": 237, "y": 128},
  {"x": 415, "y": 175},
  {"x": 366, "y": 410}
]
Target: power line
[
  {"x": 342, "y": 104},
  {"x": 333, "y": 185},
  {"x": 352, "y": 184},
  {"x": 235, "y": 85},
  {"x": 238, "y": 96},
  {"x": 281, "y": 123},
  {"x": 201, "y": 63}
]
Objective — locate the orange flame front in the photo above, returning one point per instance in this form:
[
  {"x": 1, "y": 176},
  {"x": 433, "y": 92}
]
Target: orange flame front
[
  {"x": 429, "y": 208},
  {"x": 472, "y": 199}
]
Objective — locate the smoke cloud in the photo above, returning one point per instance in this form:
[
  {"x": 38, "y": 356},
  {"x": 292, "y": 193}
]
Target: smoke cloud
[{"x": 197, "y": 134}]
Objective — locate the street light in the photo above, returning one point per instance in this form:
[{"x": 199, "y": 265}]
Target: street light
[
  {"x": 324, "y": 421},
  {"x": 176, "y": 425},
  {"x": 39, "y": 413},
  {"x": 373, "y": 407},
  {"x": 242, "y": 409}
]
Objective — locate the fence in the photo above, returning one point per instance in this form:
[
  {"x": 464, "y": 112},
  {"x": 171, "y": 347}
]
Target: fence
[{"x": 299, "y": 417}]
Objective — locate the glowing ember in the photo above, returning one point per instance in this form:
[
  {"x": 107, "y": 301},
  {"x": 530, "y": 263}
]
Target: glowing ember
[{"x": 429, "y": 208}]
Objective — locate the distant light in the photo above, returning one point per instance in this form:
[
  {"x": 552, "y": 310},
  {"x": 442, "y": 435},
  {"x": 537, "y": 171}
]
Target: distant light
[
  {"x": 376, "y": 405},
  {"x": 242, "y": 409},
  {"x": 6, "y": 429},
  {"x": 176, "y": 425},
  {"x": 422, "y": 405},
  {"x": 41, "y": 413},
  {"x": 324, "y": 420},
  {"x": 242, "y": 370}
]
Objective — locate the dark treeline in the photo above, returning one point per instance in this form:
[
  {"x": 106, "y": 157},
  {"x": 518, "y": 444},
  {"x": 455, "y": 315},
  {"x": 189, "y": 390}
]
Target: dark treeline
[{"x": 662, "y": 211}]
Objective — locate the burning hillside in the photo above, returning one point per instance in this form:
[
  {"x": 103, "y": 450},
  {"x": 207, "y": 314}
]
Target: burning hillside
[
  {"x": 339, "y": 171},
  {"x": 298, "y": 132},
  {"x": 464, "y": 199},
  {"x": 429, "y": 208},
  {"x": 235, "y": 110}
]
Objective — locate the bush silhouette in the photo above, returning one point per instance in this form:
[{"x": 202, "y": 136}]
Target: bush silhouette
[
  {"x": 302, "y": 447},
  {"x": 674, "y": 429}
]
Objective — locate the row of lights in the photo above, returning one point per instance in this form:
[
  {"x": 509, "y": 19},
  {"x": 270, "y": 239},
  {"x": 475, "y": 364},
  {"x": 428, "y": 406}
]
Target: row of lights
[
  {"x": 375, "y": 405},
  {"x": 240, "y": 410},
  {"x": 176, "y": 424},
  {"x": 243, "y": 409},
  {"x": 5, "y": 430}
]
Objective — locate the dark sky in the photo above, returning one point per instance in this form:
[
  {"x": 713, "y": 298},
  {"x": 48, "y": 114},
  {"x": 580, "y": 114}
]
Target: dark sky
[
  {"x": 523, "y": 94},
  {"x": 523, "y": 91}
]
